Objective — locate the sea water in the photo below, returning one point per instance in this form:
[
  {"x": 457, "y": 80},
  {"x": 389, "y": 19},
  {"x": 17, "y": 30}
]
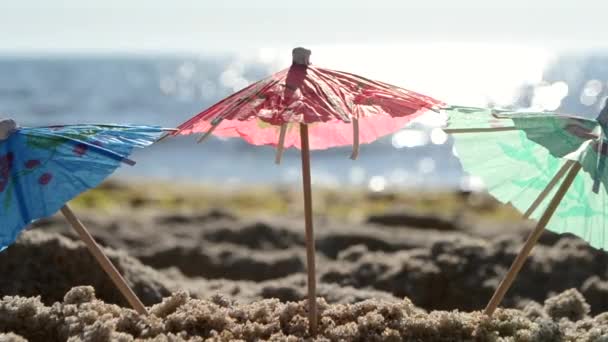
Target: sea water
[{"x": 166, "y": 91}]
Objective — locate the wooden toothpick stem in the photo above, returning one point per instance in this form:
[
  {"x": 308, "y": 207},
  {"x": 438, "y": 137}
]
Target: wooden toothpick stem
[
  {"x": 103, "y": 261},
  {"x": 519, "y": 261},
  {"x": 478, "y": 130},
  {"x": 281, "y": 144},
  {"x": 214, "y": 123},
  {"x": 355, "y": 153},
  {"x": 541, "y": 197},
  {"x": 310, "y": 237}
]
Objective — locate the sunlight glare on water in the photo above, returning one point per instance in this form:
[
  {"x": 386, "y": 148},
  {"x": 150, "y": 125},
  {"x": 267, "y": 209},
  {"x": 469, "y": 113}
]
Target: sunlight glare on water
[
  {"x": 377, "y": 183},
  {"x": 472, "y": 183},
  {"x": 438, "y": 136},
  {"x": 463, "y": 73},
  {"x": 549, "y": 96},
  {"x": 591, "y": 91},
  {"x": 410, "y": 138}
]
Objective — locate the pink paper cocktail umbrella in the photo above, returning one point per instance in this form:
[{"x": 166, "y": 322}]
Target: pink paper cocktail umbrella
[{"x": 330, "y": 108}]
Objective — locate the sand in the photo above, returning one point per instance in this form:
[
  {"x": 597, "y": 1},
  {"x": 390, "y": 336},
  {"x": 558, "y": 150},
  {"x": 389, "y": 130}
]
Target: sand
[
  {"x": 400, "y": 275},
  {"x": 80, "y": 316}
]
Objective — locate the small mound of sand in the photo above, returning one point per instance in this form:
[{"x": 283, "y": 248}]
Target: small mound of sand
[
  {"x": 569, "y": 304},
  {"x": 10, "y": 337},
  {"x": 80, "y": 316},
  {"x": 50, "y": 265}
]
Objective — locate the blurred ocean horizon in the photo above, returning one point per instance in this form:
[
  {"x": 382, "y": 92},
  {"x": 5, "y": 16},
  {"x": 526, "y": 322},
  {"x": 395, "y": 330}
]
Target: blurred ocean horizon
[{"x": 167, "y": 90}]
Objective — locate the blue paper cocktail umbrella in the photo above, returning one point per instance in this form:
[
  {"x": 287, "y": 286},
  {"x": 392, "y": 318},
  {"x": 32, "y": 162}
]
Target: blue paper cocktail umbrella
[{"x": 43, "y": 168}]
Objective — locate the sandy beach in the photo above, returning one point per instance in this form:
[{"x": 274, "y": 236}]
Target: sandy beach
[
  {"x": 391, "y": 116},
  {"x": 229, "y": 264}
]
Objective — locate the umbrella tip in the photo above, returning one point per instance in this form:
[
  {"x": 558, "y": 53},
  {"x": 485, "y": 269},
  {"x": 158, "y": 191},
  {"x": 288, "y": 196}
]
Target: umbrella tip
[
  {"x": 301, "y": 56},
  {"x": 7, "y": 127}
]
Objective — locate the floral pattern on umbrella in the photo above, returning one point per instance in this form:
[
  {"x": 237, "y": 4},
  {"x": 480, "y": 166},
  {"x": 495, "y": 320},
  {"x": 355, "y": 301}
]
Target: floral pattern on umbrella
[{"x": 43, "y": 168}]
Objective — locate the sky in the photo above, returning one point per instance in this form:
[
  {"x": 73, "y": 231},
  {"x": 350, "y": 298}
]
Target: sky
[{"x": 109, "y": 26}]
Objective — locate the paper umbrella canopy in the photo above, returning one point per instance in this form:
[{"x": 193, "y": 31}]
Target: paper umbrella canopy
[
  {"x": 339, "y": 108},
  {"x": 43, "y": 168},
  {"x": 522, "y": 156}
]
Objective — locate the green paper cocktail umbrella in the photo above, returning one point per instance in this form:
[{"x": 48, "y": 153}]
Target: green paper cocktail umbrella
[{"x": 551, "y": 167}]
